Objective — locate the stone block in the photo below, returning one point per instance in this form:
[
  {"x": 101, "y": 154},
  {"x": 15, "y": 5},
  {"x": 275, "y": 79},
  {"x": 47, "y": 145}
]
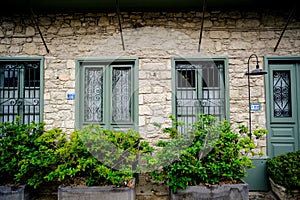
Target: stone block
[
  {"x": 145, "y": 110},
  {"x": 251, "y": 23},
  {"x": 159, "y": 120},
  {"x": 58, "y": 95},
  {"x": 70, "y": 64},
  {"x": 1, "y": 34},
  {"x": 219, "y": 34},
  {"x": 65, "y": 31},
  {"x": 141, "y": 99},
  {"x": 225, "y": 191},
  {"x": 165, "y": 75},
  {"x": 142, "y": 121},
  {"x": 103, "y": 21},
  {"x": 239, "y": 45},
  {"x": 30, "y": 31},
  {"x": 145, "y": 89},
  {"x": 281, "y": 193},
  {"x": 8, "y": 25},
  {"x": 148, "y": 190},
  {"x": 158, "y": 90},
  {"x": 69, "y": 84},
  {"x": 45, "y": 21},
  {"x": 52, "y": 29},
  {"x": 75, "y": 23},
  {"x": 22, "y": 192},
  {"x": 96, "y": 193},
  {"x": 154, "y": 66},
  {"x": 154, "y": 98},
  {"x": 30, "y": 49},
  {"x": 14, "y": 49}
]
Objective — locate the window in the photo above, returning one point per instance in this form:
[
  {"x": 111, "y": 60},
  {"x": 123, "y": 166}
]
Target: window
[
  {"x": 21, "y": 91},
  {"x": 107, "y": 93},
  {"x": 200, "y": 86},
  {"x": 282, "y": 94}
]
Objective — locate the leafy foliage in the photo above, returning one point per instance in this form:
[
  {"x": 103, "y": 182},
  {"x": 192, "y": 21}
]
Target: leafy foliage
[
  {"x": 211, "y": 153},
  {"x": 91, "y": 156},
  {"x": 96, "y": 156},
  {"x": 285, "y": 170},
  {"x": 259, "y": 132},
  {"x": 17, "y": 142},
  {"x": 43, "y": 159}
]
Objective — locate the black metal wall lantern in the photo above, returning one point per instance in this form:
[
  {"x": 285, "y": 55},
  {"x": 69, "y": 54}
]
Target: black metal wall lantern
[{"x": 256, "y": 72}]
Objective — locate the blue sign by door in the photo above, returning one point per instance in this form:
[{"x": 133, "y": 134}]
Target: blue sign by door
[{"x": 255, "y": 107}]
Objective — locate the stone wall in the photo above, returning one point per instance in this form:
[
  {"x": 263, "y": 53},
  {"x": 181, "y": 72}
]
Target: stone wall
[{"x": 153, "y": 38}]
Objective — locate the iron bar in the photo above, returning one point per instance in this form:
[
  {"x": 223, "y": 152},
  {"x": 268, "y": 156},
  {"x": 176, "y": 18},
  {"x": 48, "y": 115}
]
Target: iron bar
[
  {"x": 249, "y": 95},
  {"x": 202, "y": 22},
  {"x": 120, "y": 25},
  {"x": 39, "y": 30},
  {"x": 283, "y": 31}
]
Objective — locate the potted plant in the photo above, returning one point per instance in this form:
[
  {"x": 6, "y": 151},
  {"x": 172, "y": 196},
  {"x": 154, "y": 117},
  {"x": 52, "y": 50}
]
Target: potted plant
[
  {"x": 209, "y": 164},
  {"x": 97, "y": 163},
  {"x": 284, "y": 175},
  {"x": 256, "y": 178},
  {"x": 17, "y": 140}
]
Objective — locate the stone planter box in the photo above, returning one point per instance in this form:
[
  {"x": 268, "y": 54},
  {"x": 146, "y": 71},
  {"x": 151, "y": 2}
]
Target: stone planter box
[
  {"x": 22, "y": 192},
  {"x": 280, "y": 192},
  {"x": 214, "y": 192},
  {"x": 95, "y": 193}
]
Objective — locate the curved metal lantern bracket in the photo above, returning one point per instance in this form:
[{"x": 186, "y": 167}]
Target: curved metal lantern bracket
[{"x": 256, "y": 72}]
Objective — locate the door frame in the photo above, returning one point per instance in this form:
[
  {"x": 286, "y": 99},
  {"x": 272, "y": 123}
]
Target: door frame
[{"x": 267, "y": 60}]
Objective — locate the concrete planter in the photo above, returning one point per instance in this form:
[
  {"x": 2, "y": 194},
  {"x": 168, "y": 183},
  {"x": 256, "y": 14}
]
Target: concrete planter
[
  {"x": 95, "y": 193},
  {"x": 256, "y": 178},
  {"x": 22, "y": 192},
  {"x": 280, "y": 191},
  {"x": 214, "y": 192}
]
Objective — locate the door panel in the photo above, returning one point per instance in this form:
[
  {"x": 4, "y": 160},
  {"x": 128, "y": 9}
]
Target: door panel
[
  {"x": 282, "y": 131},
  {"x": 282, "y": 148},
  {"x": 283, "y": 115}
]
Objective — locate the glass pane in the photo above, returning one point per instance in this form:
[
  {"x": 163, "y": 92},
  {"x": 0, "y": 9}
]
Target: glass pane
[
  {"x": 32, "y": 75},
  {"x": 9, "y": 75},
  {"x": 186, "y": 78},
  {"x": 121, "y": 94},
  {"x": 93, "y": 95},
  {"x": 212, "y": 101},
  {"x": 282, "y": 94},
  {"x": 211, "y": 75},
  {"x": 31, "y": 93}
]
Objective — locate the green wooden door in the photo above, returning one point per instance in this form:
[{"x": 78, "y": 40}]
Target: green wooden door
[{"x": 283, "y": 106}]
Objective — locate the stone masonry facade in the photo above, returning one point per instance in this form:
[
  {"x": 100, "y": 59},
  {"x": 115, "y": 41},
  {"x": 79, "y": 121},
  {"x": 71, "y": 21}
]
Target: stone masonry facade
[{"x": 154, "y": 38}]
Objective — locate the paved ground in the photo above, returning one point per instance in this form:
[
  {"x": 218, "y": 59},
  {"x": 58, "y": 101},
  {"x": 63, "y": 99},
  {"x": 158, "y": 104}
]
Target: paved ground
[
  {"x": 252, "y": 196},
  {"x": 262, "y": 196}
]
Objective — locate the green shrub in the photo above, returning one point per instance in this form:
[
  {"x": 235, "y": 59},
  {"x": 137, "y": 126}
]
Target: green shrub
[
  {"x": 27, "y": 152},
  {"x": 17, "y": 141},
  {"x": 285, "y": 170},
  {"x": 91, "y": 156},
  {"x": 96, "y": 156},
  {"x": 211, "y": 153},
  {"x": 42, "y": 159}
]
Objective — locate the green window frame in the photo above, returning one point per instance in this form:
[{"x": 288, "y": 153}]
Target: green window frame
[
  {"x": 199, "y": 85},
  {"x": 21, "y": 89},
  {"x": 107, "y": 93}
]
